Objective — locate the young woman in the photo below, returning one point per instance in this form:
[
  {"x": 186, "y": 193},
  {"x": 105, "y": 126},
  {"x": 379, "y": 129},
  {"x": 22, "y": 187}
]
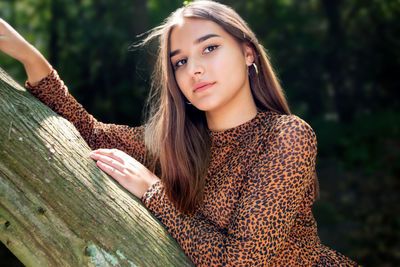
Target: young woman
[{"x": 221, "y": 162}]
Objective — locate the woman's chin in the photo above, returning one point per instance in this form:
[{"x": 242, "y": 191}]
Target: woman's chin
[{"x": 205, "y": 108}]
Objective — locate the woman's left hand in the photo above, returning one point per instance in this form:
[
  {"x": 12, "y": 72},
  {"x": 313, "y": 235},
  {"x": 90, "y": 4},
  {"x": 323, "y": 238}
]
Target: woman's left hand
[{"x": 130, "y": 173}]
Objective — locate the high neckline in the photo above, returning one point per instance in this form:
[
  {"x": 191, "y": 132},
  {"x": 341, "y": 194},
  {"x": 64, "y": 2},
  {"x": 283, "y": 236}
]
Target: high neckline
[{"x": 235, "y": 135}]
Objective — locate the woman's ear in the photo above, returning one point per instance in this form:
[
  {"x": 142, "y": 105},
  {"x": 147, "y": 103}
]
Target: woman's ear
[{"x": 248, "y": 53}]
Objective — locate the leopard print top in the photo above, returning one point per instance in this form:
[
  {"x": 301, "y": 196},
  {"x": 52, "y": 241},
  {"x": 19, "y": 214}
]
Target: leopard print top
[{"x": 258, "y": 194}]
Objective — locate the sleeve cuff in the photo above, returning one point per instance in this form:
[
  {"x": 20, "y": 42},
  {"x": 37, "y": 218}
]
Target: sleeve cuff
[
  {"x": 50, "y": 76},
  {"x": 50, "y": 89},
  {"x": 151, "y": 192}
]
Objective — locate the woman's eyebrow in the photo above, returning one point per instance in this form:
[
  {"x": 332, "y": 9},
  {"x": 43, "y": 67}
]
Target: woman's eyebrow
[
  {"x": 199, "y": 40},
  {"x": 205, "y": 37}
]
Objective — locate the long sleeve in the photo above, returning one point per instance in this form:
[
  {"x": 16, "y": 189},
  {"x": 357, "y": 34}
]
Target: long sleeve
[
  {"x": 266, "y": 211},
  {"x": 52, "y": 91}
]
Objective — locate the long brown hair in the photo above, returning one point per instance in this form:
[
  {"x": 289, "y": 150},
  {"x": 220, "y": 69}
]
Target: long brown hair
[{"x": 176, "y": 134}]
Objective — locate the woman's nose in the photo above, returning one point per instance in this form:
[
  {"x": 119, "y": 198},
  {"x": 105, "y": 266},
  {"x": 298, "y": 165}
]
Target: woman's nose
[{"x": 196, "y": 68}]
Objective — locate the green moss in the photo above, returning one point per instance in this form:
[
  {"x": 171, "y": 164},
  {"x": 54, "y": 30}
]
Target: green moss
[
  {"x": 122, "y": 257},
  {"x": 100, "y": 257}
]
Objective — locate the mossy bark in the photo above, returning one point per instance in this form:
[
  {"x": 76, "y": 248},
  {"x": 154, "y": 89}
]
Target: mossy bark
[{"x": 56, "y": 207}]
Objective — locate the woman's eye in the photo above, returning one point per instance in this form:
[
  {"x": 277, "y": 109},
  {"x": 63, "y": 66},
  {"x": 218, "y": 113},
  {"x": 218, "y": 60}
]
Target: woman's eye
[
  {"x": 207, "y": 50},
  {"x": 180, "y": 63},
  {"x": 210, "y": 48}
]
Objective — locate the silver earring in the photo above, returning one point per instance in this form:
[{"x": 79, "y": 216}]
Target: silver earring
[
  {"x": 255, "y": 67},
  {"x": 188, "y": 103}
]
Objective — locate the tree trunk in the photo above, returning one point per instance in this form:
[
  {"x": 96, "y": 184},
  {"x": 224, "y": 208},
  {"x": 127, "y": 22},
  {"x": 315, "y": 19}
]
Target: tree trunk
[{"x": 56, "y": 207}]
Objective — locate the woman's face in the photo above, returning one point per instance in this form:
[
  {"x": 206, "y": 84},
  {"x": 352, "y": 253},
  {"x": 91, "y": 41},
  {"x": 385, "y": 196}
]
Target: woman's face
[{"x": 210, "y": 65}]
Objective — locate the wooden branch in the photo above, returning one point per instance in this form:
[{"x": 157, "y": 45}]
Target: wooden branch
[{"x": 56, "y": 207}]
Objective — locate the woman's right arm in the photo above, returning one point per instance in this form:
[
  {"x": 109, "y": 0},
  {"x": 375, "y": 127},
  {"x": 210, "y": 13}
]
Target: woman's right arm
[
  {"x": 14, "y": 45},
  {"x": 45, "y": 84}
]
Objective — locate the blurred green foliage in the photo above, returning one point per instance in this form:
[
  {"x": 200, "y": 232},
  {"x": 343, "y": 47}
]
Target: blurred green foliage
[{"x": 338, "y": 61}]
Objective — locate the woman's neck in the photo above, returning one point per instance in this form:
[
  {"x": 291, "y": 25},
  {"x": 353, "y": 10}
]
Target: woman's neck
[{"x": 223, "y": 119}]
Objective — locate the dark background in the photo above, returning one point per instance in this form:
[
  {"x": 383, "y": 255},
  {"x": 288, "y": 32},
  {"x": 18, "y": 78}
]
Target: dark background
[{"x": 338, "y": 62}]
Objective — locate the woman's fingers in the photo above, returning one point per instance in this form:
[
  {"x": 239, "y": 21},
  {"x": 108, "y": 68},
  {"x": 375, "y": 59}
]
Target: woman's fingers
[
  {"x": 117, "y": 155},
  {"x": 130, "y": 173},
  {"x": 110, "y": 170},
  {"x": 116, "y": 164},
  {"x": 122, "y": 178},
  {"x": 112, "y": 153}
]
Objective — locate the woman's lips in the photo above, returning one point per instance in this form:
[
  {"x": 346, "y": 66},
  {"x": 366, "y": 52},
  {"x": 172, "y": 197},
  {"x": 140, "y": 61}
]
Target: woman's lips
[{"x": 202, "y": 86}]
